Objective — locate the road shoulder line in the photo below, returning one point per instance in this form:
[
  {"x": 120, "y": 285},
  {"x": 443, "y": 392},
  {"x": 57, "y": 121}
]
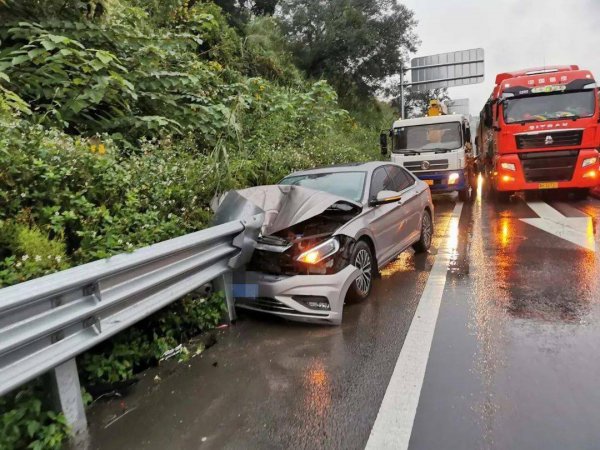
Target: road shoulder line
[{"x": 393, "y": 426}]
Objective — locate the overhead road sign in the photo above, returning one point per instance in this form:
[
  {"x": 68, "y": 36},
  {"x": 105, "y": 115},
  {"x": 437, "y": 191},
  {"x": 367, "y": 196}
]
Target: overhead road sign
[{"x": 447, "y": 70}]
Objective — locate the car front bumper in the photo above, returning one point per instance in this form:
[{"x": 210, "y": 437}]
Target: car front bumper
[{"x": 278, "y": 295}]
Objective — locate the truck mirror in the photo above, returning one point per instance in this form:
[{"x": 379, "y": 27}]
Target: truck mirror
[
  {"x": 467, "y": 134},
  {"x": 488, "y": 119},
  {"x": 383, "y": 143}
]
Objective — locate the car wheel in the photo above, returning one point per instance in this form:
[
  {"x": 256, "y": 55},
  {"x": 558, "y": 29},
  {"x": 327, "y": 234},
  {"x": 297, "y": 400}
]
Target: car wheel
[
  {"x": 362, "y": 259},
  {"x": 424, "y": 243}
]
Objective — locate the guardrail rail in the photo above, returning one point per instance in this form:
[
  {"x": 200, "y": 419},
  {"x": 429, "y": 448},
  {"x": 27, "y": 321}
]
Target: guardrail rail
[{"x": 45, "y": 323}]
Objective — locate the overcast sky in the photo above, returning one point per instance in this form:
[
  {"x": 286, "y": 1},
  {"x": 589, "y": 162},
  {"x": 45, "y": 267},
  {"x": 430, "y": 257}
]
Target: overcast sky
[{"x": 515, "y": 34}]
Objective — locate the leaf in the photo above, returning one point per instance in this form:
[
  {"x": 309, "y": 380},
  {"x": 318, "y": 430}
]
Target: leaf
[
  {"x": 105, "y": 57},
  {"x": 35, "y": 53},
  {"x": 19, "y": 59},
  {"x": 96, "y": 65},
  {"x": 58, "y": 39},
  {"x": 48, "y": 45}
]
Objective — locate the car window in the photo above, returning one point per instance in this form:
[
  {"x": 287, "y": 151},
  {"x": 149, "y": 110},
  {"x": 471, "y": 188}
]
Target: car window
[
  {"x": 400, "y": 178},
  {"x": 345, "y": 184},
  {"x": 381, "y": 181},
  {"x": 410, "y": 180}
]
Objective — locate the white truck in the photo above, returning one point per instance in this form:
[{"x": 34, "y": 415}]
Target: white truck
[{"x": 437, "y": 149}]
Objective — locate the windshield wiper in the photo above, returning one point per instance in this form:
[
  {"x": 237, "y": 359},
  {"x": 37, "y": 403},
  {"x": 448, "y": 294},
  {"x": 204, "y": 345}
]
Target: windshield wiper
[
  {"x": 436, "y": 150},
  {"x": 407, "y": 152},
  {"x": 573, "y": 117}
]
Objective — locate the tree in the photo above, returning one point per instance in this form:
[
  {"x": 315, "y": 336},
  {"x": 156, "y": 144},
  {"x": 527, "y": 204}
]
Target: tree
[
  {"x": 416, "y": 102},
  {"x": 240, "y": 11},
  {"x": 355, "y": 44}
]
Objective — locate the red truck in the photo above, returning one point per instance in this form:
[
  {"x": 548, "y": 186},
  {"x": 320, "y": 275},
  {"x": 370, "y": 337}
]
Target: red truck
[{"x": 540, "y": 130}]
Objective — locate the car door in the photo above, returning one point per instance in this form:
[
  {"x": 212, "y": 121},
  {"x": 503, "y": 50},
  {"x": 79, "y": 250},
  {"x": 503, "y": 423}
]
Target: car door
[
  {"x": 411, "y": 205},
  {"x": 387, "y": 230}
]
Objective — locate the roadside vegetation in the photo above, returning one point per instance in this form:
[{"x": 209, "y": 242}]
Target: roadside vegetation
[{"x": 121, "y": 119}]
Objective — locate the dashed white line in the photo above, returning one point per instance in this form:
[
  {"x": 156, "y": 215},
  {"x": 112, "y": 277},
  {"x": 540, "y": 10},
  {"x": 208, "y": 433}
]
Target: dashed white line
[{"x": 394, "y": 423}]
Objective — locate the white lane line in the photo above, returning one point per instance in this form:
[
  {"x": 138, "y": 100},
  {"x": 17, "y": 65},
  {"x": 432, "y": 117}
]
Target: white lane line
[
  {"x": 393, "y": 426},
  {"x": 577, "y": 230}
]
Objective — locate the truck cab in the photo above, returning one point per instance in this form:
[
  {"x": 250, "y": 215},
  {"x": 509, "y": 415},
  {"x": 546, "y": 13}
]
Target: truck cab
[
  {"x": 437, "y": 149},
  {"x": 539, "y": 130}
]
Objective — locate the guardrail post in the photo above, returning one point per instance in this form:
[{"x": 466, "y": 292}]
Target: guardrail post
[
  {"x": 67, "y": 394},
  {"x": 225, "y": 283}
]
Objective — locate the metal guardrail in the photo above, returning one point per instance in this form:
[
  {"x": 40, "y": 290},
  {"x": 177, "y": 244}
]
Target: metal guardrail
[{"x": 45, "y": 323}]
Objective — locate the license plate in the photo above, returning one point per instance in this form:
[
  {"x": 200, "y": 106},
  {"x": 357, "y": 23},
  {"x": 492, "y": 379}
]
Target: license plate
[
  {"x": 548, "y": 186},
  {"x": 429, "y": 182}
]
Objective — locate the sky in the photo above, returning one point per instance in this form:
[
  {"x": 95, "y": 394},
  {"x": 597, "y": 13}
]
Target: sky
[{"x": 515, "y": 34}]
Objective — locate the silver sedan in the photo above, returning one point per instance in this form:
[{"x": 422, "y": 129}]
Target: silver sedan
[{"x": 327, "y": 233}]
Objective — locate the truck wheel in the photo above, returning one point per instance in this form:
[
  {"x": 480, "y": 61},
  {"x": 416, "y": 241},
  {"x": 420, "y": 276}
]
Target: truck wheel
[
  {"x": 465, "y": 194},
  {"x": 424, "y": 243},
  {"x": 501, "y": 196},
  {"x": 581, "y": 194},
  {"x": 362, "y": 259}
]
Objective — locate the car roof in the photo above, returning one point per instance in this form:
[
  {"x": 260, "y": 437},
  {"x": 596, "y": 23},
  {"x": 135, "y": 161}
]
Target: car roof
[{"x": 351, "y": 167}]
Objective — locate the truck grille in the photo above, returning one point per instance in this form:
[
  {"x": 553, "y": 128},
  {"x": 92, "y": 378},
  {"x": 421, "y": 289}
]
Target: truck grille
[
  {"x": 549, "y": 139},
  {"x": 549, "y": 166},
  {"x": 436, "y": 164}
]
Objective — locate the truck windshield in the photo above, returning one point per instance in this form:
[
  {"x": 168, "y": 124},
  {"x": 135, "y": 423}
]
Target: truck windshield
[
  {"x": 349, "y": 185},
  {"x": 427, "y": 138},
  {"x": 541, "y": 108}
]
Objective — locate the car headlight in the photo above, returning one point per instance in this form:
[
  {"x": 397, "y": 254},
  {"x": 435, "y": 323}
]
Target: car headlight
[
  {"x": 508, "y": 166},
  {"x": 453, "y": 178},
  {"x": 320, "y": 252},
  {"x": 589, "y": 161}
]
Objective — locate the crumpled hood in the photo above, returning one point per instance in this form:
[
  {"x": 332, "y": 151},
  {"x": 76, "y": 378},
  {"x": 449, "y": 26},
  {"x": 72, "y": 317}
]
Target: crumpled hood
[{"x": 283, "y": 205}]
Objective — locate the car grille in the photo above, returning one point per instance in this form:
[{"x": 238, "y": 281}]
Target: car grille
[
  {"x": 550, "y": 139},
  {"x": 267, "y": 304},
  {"x": 549, "y": 166},
  {"x": 264, "y": 304},
  {"x": 436, "y": 164}
]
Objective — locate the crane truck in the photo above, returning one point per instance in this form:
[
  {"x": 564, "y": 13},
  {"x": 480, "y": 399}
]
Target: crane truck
[{"x": 436, "y": 148}]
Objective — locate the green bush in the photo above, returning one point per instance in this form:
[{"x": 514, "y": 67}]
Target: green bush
[
  {"x": 118, "y": 125},
  {"x": 26, "y": 421}
]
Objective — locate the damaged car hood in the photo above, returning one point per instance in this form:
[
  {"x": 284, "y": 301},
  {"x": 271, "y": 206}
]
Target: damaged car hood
[{"x": 284, "y": 206}]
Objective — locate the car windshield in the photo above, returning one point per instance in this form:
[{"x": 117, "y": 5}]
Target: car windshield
[
  {"x": 541, "y": 108},
  {"x": 427, "y": 138},
  {"x": 349, "y": 185}
]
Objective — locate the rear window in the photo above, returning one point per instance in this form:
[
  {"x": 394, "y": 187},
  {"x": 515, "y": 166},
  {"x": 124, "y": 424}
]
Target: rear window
[{"x": 349, "y": 185}]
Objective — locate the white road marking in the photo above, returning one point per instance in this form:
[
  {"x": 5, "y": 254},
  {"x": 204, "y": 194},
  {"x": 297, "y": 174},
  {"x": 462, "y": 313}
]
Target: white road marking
[
  {"x": 577, "y": 230},
  {"x": 393, "y": 426}
]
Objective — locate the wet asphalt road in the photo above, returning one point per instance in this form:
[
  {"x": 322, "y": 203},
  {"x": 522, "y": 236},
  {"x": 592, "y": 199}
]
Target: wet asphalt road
[{"x": 513, "y": 364}]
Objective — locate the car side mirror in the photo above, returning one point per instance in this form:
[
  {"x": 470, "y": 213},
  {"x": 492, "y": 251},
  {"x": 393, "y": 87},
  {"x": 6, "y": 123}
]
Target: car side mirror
[
  {"x": 383, "y": 143},
  {"x": 385, "y": 197}
]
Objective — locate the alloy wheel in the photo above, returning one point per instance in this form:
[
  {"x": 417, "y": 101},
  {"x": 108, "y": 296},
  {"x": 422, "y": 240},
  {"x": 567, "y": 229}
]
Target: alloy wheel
[
  {"x": 427, "y": 230},
  {"x": 363, "y": 263}
]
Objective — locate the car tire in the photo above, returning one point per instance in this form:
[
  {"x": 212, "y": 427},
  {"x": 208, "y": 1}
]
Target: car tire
[
  {"x": 424, "y": 243},
  {"x": 362, "y": 258}
]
